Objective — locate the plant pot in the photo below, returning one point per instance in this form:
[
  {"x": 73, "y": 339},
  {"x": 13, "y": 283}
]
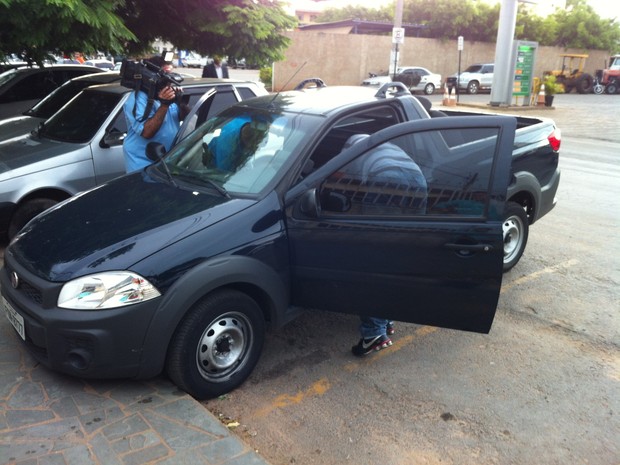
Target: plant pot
[{"x": 548, "y": 100}]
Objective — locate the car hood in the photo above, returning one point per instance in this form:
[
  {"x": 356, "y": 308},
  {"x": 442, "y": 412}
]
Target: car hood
[
  {"x": 116, "y": 225},
  {"x": 18, "y": 157},
  {"x": 18, "y": 126}
]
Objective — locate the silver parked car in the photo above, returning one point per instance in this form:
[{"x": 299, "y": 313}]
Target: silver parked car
[
  {"x": 416, "y": 78},
  {"x": 20, "y": 126},
  {"x": 21, "y": 88},
  {"x": 80, "y": 146}
]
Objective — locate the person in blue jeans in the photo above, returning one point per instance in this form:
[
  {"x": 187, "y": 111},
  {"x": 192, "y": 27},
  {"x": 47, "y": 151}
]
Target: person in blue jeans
[{"x": 375, "y": 333}]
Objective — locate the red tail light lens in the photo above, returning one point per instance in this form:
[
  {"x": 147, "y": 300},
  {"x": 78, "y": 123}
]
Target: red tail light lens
[{"x": 555, "y": 139}]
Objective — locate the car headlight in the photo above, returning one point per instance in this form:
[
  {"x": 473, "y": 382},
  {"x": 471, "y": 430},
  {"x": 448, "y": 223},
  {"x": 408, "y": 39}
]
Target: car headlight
[{"x": 106, "y": 290}]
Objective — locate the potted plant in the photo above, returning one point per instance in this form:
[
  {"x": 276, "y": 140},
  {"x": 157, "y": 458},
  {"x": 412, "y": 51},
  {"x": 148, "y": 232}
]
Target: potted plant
[{"x": 552, "y": 87}]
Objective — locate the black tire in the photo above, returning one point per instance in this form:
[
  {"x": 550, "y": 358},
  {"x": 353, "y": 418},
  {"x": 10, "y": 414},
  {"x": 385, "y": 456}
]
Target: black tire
[
  {"x": 429, "y": 89},
  {"x": 515, "y": 231},
  {"x": 611, "y": 88},
  {"x": 584, "y": 84},
  {"x": 217, "y": 345},
  {"x": 473, "y": 87},
  {"x": 27, "y": 211}
]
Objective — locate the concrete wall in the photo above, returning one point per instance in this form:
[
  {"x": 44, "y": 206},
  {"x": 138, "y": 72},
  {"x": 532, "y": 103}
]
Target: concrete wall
[{"x": 346, "y": 59}]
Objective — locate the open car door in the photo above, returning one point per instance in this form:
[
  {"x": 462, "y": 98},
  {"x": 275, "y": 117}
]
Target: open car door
[{"x": 406, "y": 224}]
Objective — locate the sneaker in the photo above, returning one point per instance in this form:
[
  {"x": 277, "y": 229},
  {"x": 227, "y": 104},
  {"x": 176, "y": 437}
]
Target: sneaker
[
  {"x": 389, "y": 329},
  {"x": 366, "y": 346}
]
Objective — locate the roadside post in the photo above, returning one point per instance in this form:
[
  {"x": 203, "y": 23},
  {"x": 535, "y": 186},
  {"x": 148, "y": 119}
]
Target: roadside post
[
  {"x": 459, "y": 47},
  {"x": 398, "y": 37}
]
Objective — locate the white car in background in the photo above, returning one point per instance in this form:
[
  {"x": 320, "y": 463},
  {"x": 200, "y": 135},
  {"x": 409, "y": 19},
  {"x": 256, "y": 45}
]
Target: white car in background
[
  {"x": 408, "y": 75},
  {"x": 193, "y": 60}
]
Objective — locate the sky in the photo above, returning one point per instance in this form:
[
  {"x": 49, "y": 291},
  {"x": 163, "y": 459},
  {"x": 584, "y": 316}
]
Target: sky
[{"x": 604, "y": 8}]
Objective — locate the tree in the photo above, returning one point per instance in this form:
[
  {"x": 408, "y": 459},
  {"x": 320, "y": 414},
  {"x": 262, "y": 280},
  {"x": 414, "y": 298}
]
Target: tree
[
  {"x": 577, "y": 26},
  {"x": 32, "y": 29},
  {"x": 356, "y": 12},
  {"x": 252, "y": 29}
]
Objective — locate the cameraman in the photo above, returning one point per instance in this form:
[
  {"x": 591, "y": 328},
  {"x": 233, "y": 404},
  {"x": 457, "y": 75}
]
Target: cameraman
[{"x": 160, "y": 125}]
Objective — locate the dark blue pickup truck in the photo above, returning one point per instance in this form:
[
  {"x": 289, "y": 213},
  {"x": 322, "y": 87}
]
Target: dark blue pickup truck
[{"x": 335, "y": 198}]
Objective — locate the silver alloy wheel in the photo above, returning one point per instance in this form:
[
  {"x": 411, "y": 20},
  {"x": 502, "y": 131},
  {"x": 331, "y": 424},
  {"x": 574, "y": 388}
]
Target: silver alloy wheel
[
  {"x": 429, "y": 89},
  {"x": 513, "y": 237},
  {"x": 224, "y": 345}
]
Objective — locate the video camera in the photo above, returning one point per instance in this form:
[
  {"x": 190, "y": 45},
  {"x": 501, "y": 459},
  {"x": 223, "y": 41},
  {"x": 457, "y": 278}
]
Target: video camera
[{"x": 147, "y": 77}]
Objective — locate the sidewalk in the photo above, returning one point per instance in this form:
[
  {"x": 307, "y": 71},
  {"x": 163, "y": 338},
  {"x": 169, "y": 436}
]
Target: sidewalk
[{"x": 52, "y": 419}]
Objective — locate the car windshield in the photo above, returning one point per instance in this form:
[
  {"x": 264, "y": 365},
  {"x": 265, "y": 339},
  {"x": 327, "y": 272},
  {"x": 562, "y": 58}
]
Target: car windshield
[
  {"x": 473, "y": 69},
  {"x": 54, "y": 101},
  {"x": 80, "y": 119},
  {"x": 242, "y": 150}
]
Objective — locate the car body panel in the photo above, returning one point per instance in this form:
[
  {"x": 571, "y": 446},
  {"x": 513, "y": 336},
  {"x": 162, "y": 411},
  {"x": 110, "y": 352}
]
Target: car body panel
[{"x": 284, "y": 244}]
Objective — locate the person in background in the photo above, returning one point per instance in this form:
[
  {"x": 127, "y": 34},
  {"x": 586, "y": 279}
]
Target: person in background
[
  {"x": 215, "y": 69},
  {"x": 161, "y": 124}
]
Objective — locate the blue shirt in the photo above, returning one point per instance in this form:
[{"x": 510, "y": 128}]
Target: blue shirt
[{"x": 134, "y": 146}]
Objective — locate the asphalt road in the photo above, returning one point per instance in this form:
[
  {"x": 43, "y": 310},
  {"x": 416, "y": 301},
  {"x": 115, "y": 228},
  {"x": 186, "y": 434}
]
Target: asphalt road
[{"x": 543, "y": 387}]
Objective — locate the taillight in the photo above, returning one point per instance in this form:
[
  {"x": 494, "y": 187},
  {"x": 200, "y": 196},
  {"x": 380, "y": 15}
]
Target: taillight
[{"x": 555, "y": 139}]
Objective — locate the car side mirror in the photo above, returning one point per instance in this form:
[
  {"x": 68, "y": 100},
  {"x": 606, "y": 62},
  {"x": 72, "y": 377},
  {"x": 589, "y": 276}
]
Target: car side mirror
[
  {"x": 155, "y": 151},
  {"x": 112, "y": 139},
  {"x": 308, "y": 204}
]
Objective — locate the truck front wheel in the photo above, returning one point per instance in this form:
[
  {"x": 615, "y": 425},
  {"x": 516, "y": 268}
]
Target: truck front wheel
[
  {"x": 473, "y": 87},
  {"x": 217, "y": 344},
  {"x": 515, "y": 230},
  {"x": 27, "y": 211}
]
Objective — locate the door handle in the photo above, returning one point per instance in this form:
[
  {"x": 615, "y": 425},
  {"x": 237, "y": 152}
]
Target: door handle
[{"x": 470, "y": 247}]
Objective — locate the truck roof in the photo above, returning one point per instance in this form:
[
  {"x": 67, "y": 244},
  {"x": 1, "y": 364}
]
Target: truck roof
[{"x": 321, "y": 100}]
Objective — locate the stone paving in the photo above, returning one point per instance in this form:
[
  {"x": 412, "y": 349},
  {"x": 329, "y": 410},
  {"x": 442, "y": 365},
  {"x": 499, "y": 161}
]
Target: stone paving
[{"x": 49, "y": 418}]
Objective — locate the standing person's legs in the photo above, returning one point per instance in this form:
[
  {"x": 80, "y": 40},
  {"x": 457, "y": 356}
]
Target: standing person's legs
[{"x": 374, "y": 336}]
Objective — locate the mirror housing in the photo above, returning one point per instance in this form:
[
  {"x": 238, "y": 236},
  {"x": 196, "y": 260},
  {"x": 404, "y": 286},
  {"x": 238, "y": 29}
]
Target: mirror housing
[{"x": 155, "y": 151}]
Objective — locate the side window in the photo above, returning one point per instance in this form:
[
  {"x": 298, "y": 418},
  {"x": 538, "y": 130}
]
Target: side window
[
  {"x": 433, "y": 173},
  {"x": 223, "y": 99},
  {"x": 366, "y": 122},
  {"x": 245, "y": 92},
  {"x": 119, "y": 124},
  {"x": 35, "y": 86}
]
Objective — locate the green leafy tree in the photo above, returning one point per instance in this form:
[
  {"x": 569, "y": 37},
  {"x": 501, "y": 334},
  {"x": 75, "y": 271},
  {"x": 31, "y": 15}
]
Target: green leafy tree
[
  {"x": 252, "y": 29},
  {"x": 385, "y": 13},
  {"x": 32, "y": 29},
  {"x": 579, "y": 26}
]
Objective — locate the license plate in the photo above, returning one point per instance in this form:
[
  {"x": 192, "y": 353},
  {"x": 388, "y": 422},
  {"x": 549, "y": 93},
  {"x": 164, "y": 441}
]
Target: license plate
[{"x": 15, "y": 318}]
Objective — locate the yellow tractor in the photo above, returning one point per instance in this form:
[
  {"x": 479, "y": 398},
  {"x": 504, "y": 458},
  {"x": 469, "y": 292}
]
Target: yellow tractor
[{"x": 572, "y": 76}]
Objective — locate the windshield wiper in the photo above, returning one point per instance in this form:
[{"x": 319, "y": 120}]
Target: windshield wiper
[{"x": 223, "y": 192}]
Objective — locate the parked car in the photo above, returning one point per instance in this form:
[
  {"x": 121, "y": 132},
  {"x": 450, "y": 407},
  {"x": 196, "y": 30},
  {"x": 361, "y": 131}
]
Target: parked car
[
  {"x": 22, "y": 87},
  {"x": 180, "y": 266},
  {"x": 80, "y": 146},
  {"x": 474, "y": 79},
  {"x": 418, "y": 79},
  {"x": 101, "y": 63},
  {"x": 194, "y": 60},
  {"x": 20, "y": 126}
]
